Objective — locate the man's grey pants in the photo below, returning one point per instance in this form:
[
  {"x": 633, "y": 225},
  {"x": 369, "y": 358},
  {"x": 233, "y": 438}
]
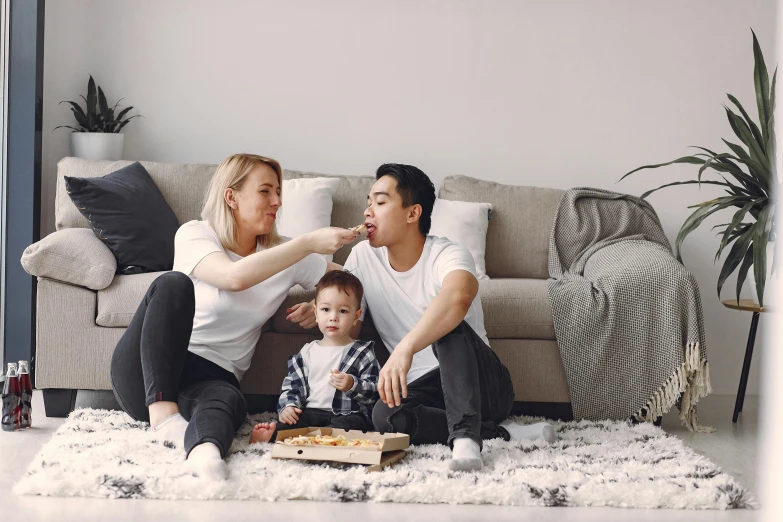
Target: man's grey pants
[{"x": 467, "y": 396}]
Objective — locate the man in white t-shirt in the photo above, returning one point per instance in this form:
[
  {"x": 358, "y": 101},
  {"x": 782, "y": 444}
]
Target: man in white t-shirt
[{"x": 442, "y": 382}]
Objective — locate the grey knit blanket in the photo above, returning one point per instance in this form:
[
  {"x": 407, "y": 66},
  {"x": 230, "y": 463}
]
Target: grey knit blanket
[{"x": 627, "y": 314}]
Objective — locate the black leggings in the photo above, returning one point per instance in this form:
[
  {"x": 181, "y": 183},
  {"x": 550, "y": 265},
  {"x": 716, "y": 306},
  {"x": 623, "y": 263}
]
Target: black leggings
[{"x": 152, "y": 363}]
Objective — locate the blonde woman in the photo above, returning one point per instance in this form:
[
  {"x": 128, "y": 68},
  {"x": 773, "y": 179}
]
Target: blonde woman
[{"x": 179, "y": 363}]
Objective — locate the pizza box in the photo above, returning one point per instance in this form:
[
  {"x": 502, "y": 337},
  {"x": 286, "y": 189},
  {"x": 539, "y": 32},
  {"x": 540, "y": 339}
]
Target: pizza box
[{"x": 392, "y": 450}]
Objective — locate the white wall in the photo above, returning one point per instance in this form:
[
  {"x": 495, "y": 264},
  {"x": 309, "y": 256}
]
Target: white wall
[{"x": 559, "y": 94}]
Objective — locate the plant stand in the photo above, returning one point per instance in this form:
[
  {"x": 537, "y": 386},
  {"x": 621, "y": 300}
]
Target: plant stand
[{"x": 746, "y": 305}]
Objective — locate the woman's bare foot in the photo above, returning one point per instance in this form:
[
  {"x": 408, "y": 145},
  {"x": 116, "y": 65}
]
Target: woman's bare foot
[{"x": 262, "y": 432}]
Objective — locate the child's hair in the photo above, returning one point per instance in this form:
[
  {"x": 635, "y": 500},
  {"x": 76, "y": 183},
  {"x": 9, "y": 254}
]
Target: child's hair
[{"x": 344, "y": 281}]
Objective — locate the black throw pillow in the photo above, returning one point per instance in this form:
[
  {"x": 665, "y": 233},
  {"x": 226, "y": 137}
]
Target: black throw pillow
[{"x": 128, "y": 213}]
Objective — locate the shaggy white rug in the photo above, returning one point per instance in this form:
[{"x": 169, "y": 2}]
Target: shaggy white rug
[{"x": 101, "y": 453}]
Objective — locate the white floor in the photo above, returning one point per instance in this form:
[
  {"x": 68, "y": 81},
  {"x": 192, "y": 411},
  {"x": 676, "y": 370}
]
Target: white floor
[{"x": 733, "y": 447}]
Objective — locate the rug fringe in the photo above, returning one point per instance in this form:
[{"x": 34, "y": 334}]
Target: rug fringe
[{"x": 689, "y": 383}]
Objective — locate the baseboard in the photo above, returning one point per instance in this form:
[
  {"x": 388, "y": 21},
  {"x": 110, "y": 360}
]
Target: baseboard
[
  {"x": 258, "y": 403},
  {"x": 550, "y": 410}
]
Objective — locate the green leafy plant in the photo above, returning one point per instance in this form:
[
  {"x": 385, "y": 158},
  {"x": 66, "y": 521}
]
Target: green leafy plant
[
  {"x": 749, "y": 177},
  {"x": 97, "y": 116}
]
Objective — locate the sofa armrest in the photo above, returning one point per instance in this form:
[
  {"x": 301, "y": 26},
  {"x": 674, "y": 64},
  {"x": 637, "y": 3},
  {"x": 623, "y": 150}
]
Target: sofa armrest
[{"x": 71, "y": 255}]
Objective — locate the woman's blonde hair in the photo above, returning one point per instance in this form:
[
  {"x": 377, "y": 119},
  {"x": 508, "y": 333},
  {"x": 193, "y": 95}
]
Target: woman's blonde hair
[{"x": 231, "y": 174}]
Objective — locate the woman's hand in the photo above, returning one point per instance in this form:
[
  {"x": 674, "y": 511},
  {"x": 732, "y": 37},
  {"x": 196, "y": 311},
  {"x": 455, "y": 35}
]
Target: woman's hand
[
  {"x": 329, "y": 240},
  {"x": 290, "y": 415},
  {"x": 302, "y": 314}
]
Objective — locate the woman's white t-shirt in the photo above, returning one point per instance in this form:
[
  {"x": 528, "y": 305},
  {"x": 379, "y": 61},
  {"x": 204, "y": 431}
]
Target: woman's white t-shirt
[
  {"x": 227, "y": 325},
  {"x": 397, "y": 300}
]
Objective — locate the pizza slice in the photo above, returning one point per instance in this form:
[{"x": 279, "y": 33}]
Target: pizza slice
[
  {"x": 329, "y": 440},
  {"x": 360, "y": 229}
]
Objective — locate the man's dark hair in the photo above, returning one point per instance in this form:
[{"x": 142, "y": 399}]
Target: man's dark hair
[
  {"x": 343, "y": 281},
  {"x": 414, "y": 187}
]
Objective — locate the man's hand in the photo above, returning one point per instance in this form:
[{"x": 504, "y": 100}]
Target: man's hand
[
  {"x": 302, "y": 314},
  {"x": 290, "y": 415},
  {"x": 341, "y": 381},
  {"x": 392, "y": 381}
]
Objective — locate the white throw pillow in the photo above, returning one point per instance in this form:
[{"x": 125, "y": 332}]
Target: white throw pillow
[
  {"x": 466, "y": 224},
  {"x": 307, "y": 206}
]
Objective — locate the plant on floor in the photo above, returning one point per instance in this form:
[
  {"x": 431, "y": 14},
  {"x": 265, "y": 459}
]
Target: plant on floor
[
  {"x": 750, "y": 189},
  {"x": 97, "y": 115}
]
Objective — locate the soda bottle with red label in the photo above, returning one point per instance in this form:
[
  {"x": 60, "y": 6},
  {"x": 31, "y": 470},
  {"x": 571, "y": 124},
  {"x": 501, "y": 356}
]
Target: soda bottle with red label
[
  {"x": 12, "y": 400},
  {"x": 26, "y": 388}
]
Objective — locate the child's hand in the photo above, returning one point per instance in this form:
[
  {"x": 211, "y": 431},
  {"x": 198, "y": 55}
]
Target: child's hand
[
  {"x": 341, "y": 381},
  {"x": 290, "y": 415}
]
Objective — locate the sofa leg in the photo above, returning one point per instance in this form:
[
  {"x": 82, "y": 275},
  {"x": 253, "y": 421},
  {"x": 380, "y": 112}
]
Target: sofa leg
[{"x": 58, "y": 402}]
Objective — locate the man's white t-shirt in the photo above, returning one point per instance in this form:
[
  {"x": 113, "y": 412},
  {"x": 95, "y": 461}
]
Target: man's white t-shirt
[
  {"x": 320, "y": 361},
  {"x": 227, "y": 325},
  {"x": 397, "y": 300}
]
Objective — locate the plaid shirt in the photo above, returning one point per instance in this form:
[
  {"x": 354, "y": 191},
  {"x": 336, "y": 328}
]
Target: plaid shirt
[{"x": 359, "y": 362}]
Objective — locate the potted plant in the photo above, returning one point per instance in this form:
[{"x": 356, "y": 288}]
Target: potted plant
[
  {"x": 98, "y": 135},
  {"x": 749, "y": 176}
]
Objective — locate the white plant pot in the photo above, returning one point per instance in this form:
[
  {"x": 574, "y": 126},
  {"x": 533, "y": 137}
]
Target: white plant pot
[
  {"x": 97, "y": 145},
  {"x": 772, "y": 285}
]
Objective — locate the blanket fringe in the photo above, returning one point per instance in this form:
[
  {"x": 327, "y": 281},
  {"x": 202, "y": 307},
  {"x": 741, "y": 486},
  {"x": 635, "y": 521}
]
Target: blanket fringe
[{"x": 689, "y": 383}]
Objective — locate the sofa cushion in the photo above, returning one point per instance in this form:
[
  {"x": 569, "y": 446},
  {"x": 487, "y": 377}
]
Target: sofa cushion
[
  {"x": 308, "y": 206},
  {"x": 466, "y": 224},
  {"x": 348, "y": 203},
  {"x": 513, "y": 308},
  {"x": 118, "y": 302},
  {"x": 183, "y": 187},
  {"x": 518, "y": 235},
  {"x": 74, "y": 256},
  {"x": 127, "y": 212},
  {"x": 516, "y": 309}
]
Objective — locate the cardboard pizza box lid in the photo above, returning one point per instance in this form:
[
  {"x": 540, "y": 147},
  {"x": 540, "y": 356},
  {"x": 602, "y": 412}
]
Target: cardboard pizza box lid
[{"x": 391, "y": 451}]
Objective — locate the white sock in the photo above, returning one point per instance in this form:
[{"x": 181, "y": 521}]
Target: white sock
[
  {"x": 538, "y": 431},
  {"x": 172, "y": 428},
  {"x": 206, "y": 460},
  {"x": 465, "y": 455}
]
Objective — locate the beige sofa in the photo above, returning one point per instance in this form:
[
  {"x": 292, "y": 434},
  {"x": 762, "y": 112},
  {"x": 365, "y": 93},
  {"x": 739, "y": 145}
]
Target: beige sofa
[{"x": 77, "y": 327}]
